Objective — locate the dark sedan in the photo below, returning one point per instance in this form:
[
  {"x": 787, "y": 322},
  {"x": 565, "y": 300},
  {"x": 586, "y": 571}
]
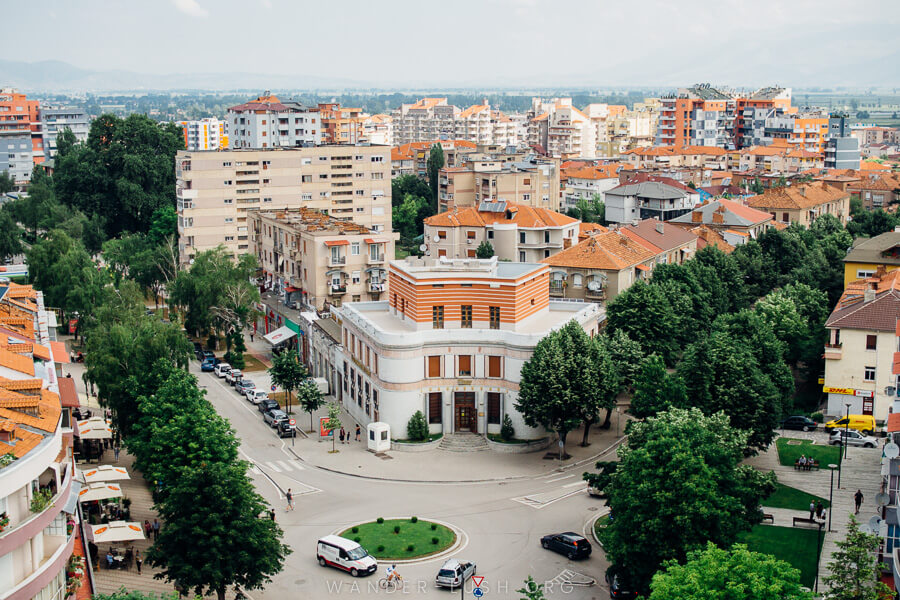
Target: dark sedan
[
  {"x": 619, "y": 588},
  {"x": 570, "y": 544},
  {"x": 799, "y": 423},
  {"x": 266, "y": 405}
]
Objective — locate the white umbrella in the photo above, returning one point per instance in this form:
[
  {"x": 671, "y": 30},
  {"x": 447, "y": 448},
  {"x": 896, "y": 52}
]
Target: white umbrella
[
  {"x": 105, "y": 473},
  {"x": 117, "y": 531},
  {"x": 95, "y": 428},
  {"x": 99, "y": 491}
]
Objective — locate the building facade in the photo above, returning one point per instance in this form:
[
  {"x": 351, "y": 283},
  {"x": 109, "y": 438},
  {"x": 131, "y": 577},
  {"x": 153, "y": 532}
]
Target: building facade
[
  {"x": 803, "y": 203},
  {"x": 841, "y": 147},
  {"x": 531, "y": 181},
  {"x": 205, "y": 134},
  {"x": 267, "y": 122},
  {"x": 450, "y": 342},
  {"x": 21, "y": 142},
  {"x": 647, "y": 197},
  {"x": 54, "y": 119},
  {"x": 215, "y": 189}
]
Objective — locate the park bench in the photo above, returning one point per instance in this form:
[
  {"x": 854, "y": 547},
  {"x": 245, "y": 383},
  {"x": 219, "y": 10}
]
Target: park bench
[
  {"x": 805, "y": 521},
  {"x": 813, "y": 465},
  {"x": 768, "y": 517}
]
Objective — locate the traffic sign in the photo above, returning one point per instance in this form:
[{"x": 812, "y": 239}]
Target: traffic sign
[
  {"x": 477, "y": 580},
  {"x": 292, "y": 422},
  {"x": 477, "y": 592},
  {"x": 273, "y": 387}
]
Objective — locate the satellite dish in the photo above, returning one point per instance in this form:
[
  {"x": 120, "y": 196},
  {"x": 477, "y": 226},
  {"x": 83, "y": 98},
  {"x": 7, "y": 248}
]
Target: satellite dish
[
  {"x": 882, "y": 499},
  {"x": 866, "y": 528},
  {"x": 891, "y": 450},
  {"x": 437, "y": 239},
  {"x": 594, "y": 286},
  {"x": 423, "y": 248},
  {"x": 192, "y": 261},
  {"x": 874, "y": 523}
]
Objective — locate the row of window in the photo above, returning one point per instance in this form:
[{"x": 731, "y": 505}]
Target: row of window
[
  {"x": 437, "y": 316},
  {"x": 359, "y": 389},
  {"x": 434, "y": 366},
  {"x": 361, "y": 351},
  {"x": 436, "y": 403}
]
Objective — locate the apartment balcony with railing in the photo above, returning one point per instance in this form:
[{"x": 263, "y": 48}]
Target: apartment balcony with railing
[
  {"x": 834, "y": 351},
  {"x": 337, "y": 260},
  {"x": 557, "y": 288}
]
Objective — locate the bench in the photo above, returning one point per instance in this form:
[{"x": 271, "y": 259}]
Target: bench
[
  {"x": 805, "y": 521},
  {"x": 768, "y": 517},
  {"x": 809, "y": 466}
]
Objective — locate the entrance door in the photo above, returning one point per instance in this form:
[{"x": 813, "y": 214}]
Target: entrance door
[{"x": 464, "y": 409}]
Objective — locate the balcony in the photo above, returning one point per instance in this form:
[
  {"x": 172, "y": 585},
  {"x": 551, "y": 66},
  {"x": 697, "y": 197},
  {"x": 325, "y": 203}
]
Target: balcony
[
  {"x": 337, "y": 290},
  {"x": 376, "y": 288},
  {"x": 557, "y": 289},
  {"x": 374, "y": 260},
  {"x": 595, "y": 294},
  {"x": 337, "y": 261},
  {"x": 833, "y": 351}
]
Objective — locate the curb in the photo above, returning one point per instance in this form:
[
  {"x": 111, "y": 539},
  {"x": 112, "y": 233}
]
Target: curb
[{"x": 460, "y": 534}]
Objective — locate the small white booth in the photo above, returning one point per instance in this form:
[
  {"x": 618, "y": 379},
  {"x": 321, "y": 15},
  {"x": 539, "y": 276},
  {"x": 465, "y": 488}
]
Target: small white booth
[{"x": 378, "y": 435}]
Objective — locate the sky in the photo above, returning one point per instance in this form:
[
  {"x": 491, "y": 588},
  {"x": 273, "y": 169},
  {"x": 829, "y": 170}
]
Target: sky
[{"x": 519, "y": 43}]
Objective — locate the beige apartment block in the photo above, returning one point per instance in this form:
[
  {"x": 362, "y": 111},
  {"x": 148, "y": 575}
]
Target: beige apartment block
[
  {"x": 215, "y": 190},
  {"x": 531, "y": 181},
  {"x": 561, "y": 129},
  {"x": 316, "y": 260}
]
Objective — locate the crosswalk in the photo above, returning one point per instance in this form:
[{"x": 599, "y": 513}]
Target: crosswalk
[
  {"x": 542, "y": 499},
  {"x": 278, "y": 466}
]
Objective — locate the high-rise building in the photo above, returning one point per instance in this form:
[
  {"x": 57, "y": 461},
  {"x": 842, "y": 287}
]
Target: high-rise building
[
  {"x": 529, "y": 180},
  {"x": 561, "y": 129},
  {"x": 21, "y": 142},
  {"x": 378, "y": 130},
  {"x": 205, "y": 134},
  {"x": 433, "y": 119},
  {"x": 215, "y": 189},
  {"x": 267, "y": 122},
  {"x": 54, "y": 119},
  {"x": 841, "y": 148}
]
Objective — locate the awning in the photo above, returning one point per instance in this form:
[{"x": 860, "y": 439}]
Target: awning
[
  {"x": 41, "y": 352},
  {"x": 72, "y": 501},
  {"x": 95, "y": 428},
  {"x": 67, "y": 393},
  {"x": 337, "y": 242},
  {"x": 642, "y": 268},
  {"x": 371, "y": 269},
  {"x": 374, "y": 241},
  {"x": 117, "y": 531},
  {"x": 290, "y": 288},
  {"x": 99, "y": 491},
  {"x": 59, "y": 352},
  {"x": 330, "y": 271},
  {"x": 104, "y": 473},
  {"x": 280, "y": 335}
]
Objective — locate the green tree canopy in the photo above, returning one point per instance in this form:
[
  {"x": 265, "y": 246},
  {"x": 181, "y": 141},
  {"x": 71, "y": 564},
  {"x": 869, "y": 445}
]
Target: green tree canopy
[
  {"x": 433, "y": 166},
  {"x": 56, "y": 265},
  {"x": 656, "y": 390},
  {"x": 409, "y": 184},
  {"x": 288, "y": 373},
  {"x": 309, "y": 398},
  {"x": 10, "y": 235},
  {"x": 485, "y": 250},
  {"x": 7, "y": 182},
  {"x": 644, "y": 313}
]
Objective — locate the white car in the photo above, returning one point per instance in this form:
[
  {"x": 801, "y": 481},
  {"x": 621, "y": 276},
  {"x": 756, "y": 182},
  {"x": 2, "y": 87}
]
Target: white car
[
  {"x": 233, "y": 376},
  {"x": 222, "y": 369},
  {"x": 854, "y": 438},
  {"x": 257, "y": 396},
  {"x": 454, "y": 572}
]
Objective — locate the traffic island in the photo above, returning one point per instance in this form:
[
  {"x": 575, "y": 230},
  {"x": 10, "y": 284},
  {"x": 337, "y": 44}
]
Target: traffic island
[{"x": 402, "y": 539}]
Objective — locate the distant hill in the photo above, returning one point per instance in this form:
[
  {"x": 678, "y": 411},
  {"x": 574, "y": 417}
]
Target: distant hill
[{"x": 58, "y": 76}]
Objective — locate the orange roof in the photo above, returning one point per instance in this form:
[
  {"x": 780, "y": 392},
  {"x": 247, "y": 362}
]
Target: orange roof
[
  {"x": 645, "y": 243},
  {"x": 60, "y": 354},
  {"x": 609, "y": 171},
  {"x": 806, "y": 195},
  {"x": 337, "y": 242},
  {"x": 587, "y": 229},
  {"x": 736, "y": 232},
  {"x": 16, "y": 362},
  {"x": 41, "y": 352},
  {"x": 428, "y": 102},
  {"x": 522, "y": 215},
  {"x": 24, "y": 441},
  {"x": 711, "y": 237},
  {"x": 610, "y": 251},
  {"x": 869, "y": 165},
  {"x": 473, "y": 110},
  {"x": 21, "y": 384}
]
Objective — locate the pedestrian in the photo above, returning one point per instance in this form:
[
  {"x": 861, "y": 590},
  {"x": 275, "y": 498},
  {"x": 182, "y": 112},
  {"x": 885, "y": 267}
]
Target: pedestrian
[
  {"x": 251, "y": 338},
  {"x": 68, "y": 376},
  {"x": 858, "y": 498},
  {"x": 155, "y": 530},
  {"x": 138, "y": 560},
  {"x": 147, "y": 528},
  {"x": 272, "y": 514},
  {"x": 812, "y": 510},
  {"x": 290, "y": 500},
  {"x": 116, "y": 450},
  {"x": 357, "y": 432},
  {"x": 342, "y": 435},
  {"x": 820, "y": 510}
]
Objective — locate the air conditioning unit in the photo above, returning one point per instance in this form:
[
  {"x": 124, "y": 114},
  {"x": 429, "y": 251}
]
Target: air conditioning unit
[{"x": 470, "y": 241}]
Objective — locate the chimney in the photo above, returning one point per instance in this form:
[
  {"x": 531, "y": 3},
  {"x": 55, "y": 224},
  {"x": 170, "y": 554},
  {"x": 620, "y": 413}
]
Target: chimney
[
  {"x": 869, "y": 294},
  {"x": 8, "y": 432},
  {"x": 659, "y": 227}
]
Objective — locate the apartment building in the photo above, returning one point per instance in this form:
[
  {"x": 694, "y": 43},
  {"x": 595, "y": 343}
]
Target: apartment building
[
  {"x": 868, "y": 256},
  {"x": 779, "y": 157},
  {"x": 586, "y": 182},
  {"x": 664, "y": 157},
  {"x": 267, "y": 122},
  {"x": 54, "y": 119},
  {"x": 531, "y": 181},
  {"x": 672, "y": 244},
  {"x": 766, "y": 102},
  {"x": 341, "y": 125},
  {"x": 205, "y": 134},
  {"x": 841, "y": 147},
  {"x": 877, "y": 189},
  {"x": 517, "y": 233},
  {"x": 644, "y": 196},
  {"x": 21, "y": 142},
  {"x": 562, "y": 130},
  {"x": 215, "y": 189},
  {"x": 803, "y": 203},
  {"x": 424, "y": 120},
  {"x": 412, "y": 158},
  {"x": 628, "y": 129},
  {"x": 378, "y": 130},
  {"x": 735, "y": 222},
  {"x": 36, "y": 435},
  {"x": 875, "y": 135},
  {"x": 316, "y": 260},
  {"x": 450, "y": 342}
]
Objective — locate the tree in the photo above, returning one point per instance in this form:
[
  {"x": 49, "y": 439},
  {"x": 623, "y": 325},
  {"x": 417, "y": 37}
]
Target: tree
[
  {"x": 780, "y": 312},
  {"x": 433, "y": 166},
  {"x": 862, "y": 114},
  {"x": 309, "y": 398},
  {"x": 484, "y": 250},
  {"x": 732, "y": 574},
  {"x": 404, "y": 218},
  {"x": 684, "y": 464},
  {"x": 213, "y": 537},
  {"x": 625, "y": 353},
  {"x": 854, "y": 569},
  {"x": 409, "y": 184},
  {"x": 507, "y": 431},
  {"x": 289, "y": 373},
  {"x": 757, "y": 187},
  {"x": 645, "y": 314},
  {"x": 656, "y": 390},
  {"x": 531, "y": 590},
  {"x": 56, "y": 265},
  {"x": 124, "y": 594},
  {"x": 334, "y": 421},
  {"x": 7, "y": 182},
  {"x": 601, "y": 479},
  {"x": 10, "y": 235},
  {"x": 417, "y": 427}
]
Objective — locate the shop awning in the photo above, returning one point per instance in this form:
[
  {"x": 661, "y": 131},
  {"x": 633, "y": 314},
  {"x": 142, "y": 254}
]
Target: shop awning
[
  {"x": 72, "y": 502},
  {"x": 99, "y": 491},
  {"x": 374, "y": 241},
  {"x": 280, "y": 335},
  {"x": 103, "y": 473},
  {"x": 337, "y": 242},
  {"x": 59, "y": 352},
  {"x": 290, "y": 288},
  {"x": 642, "y": 268},
  {"x": 117, "y": 531},
  {"x": 95, "y": 428}
]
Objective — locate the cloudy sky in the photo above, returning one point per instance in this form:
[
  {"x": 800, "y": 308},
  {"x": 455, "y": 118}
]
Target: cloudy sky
[{"x": 476, "y": 42}]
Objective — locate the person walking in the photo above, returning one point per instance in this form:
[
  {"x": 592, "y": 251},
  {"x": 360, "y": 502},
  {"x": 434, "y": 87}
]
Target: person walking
[
  {"x": 820, "y": 510},
  {"x": 357, "y": 432},
  {"x": 812, "y": 510},
  {"x": 138, "y": 560},
  {"x": 155, "y": 530},
  {"x": 858, "y": 499},
  {"x": 342, "y": 435},
  {"x": 116, "y": 450},
  {"x": 290, "y": 501},
  {"x": 147, "y": 528},
  {"x": 272, "y": 513}
]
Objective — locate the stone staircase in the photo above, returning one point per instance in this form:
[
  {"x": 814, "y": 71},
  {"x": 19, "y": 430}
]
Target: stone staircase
[{"x": 463, "y": 442}]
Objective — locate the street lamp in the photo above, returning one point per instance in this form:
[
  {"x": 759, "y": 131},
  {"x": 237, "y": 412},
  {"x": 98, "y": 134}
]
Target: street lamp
[
  {"x": 846, "y": 429},
  {"x": 819, "y": 548},
  {"x": 832, "y": 467}
]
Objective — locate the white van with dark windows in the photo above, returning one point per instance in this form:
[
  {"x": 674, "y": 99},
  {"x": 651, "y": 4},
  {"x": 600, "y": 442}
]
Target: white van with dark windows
[{"x": 335, "y": 551}]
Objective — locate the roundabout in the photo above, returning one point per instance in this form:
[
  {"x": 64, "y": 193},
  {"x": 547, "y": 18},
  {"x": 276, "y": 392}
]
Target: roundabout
[{"x": 403, "y": 541}]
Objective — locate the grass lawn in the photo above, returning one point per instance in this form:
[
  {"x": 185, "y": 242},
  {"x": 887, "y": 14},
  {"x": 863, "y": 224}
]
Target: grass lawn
[
  {"x": 794, "y": 545},
  {"x": 789, "y": 450},
  {"x": 600, "y": 524},
  {"x": 400, "y": 253},
  {"x": 788, "y": 497},
  {"x": 381, "y": 542},
  {"x": 252, "y": 364},
  {"x": 495, "y": 437}
]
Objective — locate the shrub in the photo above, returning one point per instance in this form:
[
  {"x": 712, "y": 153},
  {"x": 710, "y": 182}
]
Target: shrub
[
  {"x": 380, "y": 520},
  {"x": 40, "y": 500},
  {"x": 817, "y": 417},
  {"x": 417, "y": 428},
  {"x": 434, "y": 541},
  {"x": 396, "y": 529},
  {"x": 415, "y": 519},
  {"x": 355, "y": 530},
  {"x": 507, "y": 432},
  {"x": 381, "y": 548},
  {"x": 434, "y": 526},
  {"x": 410, "y": 548},
  {"x": 356, "y": 539}
]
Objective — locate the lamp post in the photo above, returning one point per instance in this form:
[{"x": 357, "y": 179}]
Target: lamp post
[
  {"x": 617, "y": 421},
  {"x": 846, "y": 430},
  {"x": 819, "y": 548},
  {"x": 832, "y": 467}
]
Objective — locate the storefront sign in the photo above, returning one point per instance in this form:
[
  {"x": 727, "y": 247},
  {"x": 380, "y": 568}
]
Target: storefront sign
[
  {"x": 865, "y": 393},
  {"x": 835, "y": 390}
]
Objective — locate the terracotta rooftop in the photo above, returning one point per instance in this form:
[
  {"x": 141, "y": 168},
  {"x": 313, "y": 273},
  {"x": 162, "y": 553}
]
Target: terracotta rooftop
[
  {"x": 610, "y": 251},
  {"x": 800, "y": 196},
  {"x": 521, "y": 215},
  {"x": 711, "y": 237},
  {"x": 877, "y": 314},
  {"x": 588, "y": 229},
  {"x": 658, "y": 234},
  {"x": 726, "y": 213}
]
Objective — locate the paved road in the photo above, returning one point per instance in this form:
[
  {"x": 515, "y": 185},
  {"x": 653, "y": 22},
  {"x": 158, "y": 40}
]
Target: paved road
[{"x": 501, "y": 527}]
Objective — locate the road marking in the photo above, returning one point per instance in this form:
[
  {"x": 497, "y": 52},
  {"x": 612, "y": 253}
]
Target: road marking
[
  {"x": 273, "y": 466},
  {"x": 254, "y": 469},
  {"x": 543, "y": 499},
  {"x": 289, "y": 466},
  {"x": 568, "y": 485},
  {"x": 561, "y": 478},
  {"x": 569, "y": 577}
]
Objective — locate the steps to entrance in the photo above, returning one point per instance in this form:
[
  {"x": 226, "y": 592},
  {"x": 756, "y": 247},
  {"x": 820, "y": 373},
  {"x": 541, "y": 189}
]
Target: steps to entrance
[{"x": 463, "y": 442}]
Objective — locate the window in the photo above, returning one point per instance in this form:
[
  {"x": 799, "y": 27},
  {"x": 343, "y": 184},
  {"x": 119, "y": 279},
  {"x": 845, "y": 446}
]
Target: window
[
  {"x": 306, "y": 179},
  {"x": 521, "y": 237},
  {"x": 435, "y": 403},
  {"x": 465, "y": 366},
  {"x": 869, "y": 374},
  {"x": 466, "y": 317},
  {"x": 546, "y": 237},
  {"x": 871, "y": 342},
  {"x": 377, "y": 159},
  {"x": 490, "y": 234},
  {"x": 494, "y": 366},
  {"x": 442, "y": 252},
  {"x": 228, "y": 201},
  {"x": 493, "y": 408},
  {"x": 471, "y": 254},
  {"x": 434, "y": 366},
  {"x": 437, "y": 317},
  {"x": 226, "y": 164},
  {"x": 442, "y": 235},
  {"x": 576, "y": 280},
  {"x": 495, "y": 317},
  {"x": 785, "y": 218},
  {"x": 227, "y": 182},
  {"x": 354, "y": 249},
  {"x": 521, "y": 256},
  {"x": 470, "y": 235},
  {"x": 861, "y": 274},
  {"x": 355, "y": 276}
]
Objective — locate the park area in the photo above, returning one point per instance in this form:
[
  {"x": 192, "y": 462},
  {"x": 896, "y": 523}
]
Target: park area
[
  {"x": 401, "y": 539},
  {"x": 789, "y": 450},
  {"x": 793, "y": 545}
]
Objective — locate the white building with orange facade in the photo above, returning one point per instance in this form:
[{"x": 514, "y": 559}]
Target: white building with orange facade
[{"x": 450, "y": 341}]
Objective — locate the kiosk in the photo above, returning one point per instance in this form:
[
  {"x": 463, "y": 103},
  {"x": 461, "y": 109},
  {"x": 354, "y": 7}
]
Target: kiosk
[{"x": 378, "y": 436}]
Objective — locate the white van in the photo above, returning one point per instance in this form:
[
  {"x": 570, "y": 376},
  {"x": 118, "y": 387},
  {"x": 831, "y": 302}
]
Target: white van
[{"x": 345, "y": 554}]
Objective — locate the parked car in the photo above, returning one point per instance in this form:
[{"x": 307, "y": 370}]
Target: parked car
[
  {"x": 274, "y": 416},
  {"x": 854, "y": 438},
  {"x": 800, "y": 423},
  {"x": 198, "y": 350},
  {"x": 865, "y": 424},
  {"x": 267, "y": 405},
  {"x": 245, "y": 386},
  {"x": 454, "y": 572},
  {"x": 619, "y": 587},
  {"x": 233, "y": 376},
  {"x": 571, "y": 544},
  {"x": 208, "y": 364},
  {"x": 256, "y": 396},
  {"x": 209, "y": 354},
  {"x": 285, "y": 429},
  {"x": 222, "y": 369},
  {"x": 345, "y": 554}
]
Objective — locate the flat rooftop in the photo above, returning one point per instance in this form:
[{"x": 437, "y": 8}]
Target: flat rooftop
[{"x": 468, "y": 268}]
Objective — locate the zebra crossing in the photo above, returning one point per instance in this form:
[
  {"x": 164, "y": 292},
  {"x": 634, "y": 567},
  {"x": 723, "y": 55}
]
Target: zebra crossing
[{"x": 278, "y": 466}]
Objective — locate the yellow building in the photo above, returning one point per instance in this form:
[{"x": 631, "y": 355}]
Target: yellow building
[{"x": 868, "y": 254}]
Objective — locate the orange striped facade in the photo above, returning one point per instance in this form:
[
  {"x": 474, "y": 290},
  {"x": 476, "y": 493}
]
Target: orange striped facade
[{"x": 517, "y": 299}]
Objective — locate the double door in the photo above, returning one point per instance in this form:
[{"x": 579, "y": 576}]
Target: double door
[{"x": 465, "y": 414}]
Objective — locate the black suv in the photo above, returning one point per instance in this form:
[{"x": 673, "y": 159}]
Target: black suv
[
  {"x": 267, "y": 405},
  {"x": 285, "y": 429},
  {"x": 569, "y": 543},
  {"x": 619, "y": 587},
  {"x": 800, "y": 423}
]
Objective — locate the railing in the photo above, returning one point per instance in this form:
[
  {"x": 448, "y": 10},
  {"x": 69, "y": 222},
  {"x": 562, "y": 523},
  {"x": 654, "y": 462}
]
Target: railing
[
  {"x": 337, "y": 289},
  {"x": 337, "y": 260}
]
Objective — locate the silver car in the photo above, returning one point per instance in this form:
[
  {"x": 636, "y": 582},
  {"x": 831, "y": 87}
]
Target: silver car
[
  {"x": 854, "y": 438},
  {"x": 454, "y": 572}
]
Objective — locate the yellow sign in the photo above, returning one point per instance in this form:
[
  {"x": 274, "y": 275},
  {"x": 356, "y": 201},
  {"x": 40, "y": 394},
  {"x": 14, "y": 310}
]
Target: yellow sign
[
  {"x": 834, "y": 390},
  {"x": 821, "y": 380}
]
